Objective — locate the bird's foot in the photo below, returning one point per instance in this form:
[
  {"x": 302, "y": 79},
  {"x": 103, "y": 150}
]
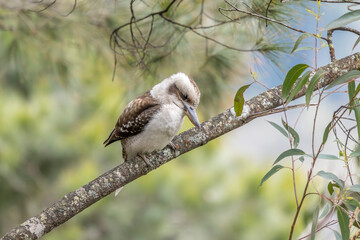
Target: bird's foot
[
  {"x": 148, "y": 163},
  {"x": 172, "y": 146}
]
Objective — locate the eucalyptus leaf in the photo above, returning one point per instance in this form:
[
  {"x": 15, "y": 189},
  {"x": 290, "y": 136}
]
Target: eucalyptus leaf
[
  {"x": 304, "y": 49},
  {"x": 272, "y": 171},
  {"x": 355, "y": 153},
  {"x": 325, "y": 210},
  {"x": 344, "y": 78},
  {"x": 239, "y": 100},
  {"x": 300, "y": 39},
  {"x": 356, "y": 43},
  {"x": 328, "y": 157},
  {"x": 337, "y": 235},
  {"x": 279, "y": 128},
  {"x": 344, "y": 20},
  {"x": 287, "y": 153},
  {"x": 355, "y": 188},
  {"x": 314, "y": 80},
  {"x": 291, "y": 77},
  {"x": 293, "y": 133},
  {"x": 331, "y": 176},
  {"x": 314, "y": 223},
  {"x": 300, "y": 84},
  {"x": 326, "y": 133},
  {"x": 343, "y": 219}
]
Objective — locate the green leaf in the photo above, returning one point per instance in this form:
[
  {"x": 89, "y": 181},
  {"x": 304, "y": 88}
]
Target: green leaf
[
  {"x": 287, "y": 153},
  {"x": 331, "y": 176},
  {"x": 299, "y": 40},
  {"x": 344, "y": 20},
  {"x": 343, "y": 219},
  {"x": 293, "y": 133},
  {"x": 291, "y": 78},
  {"x": 355, "y": 153},
  {"x": 325, "y": 210},
  {"x": 351, "y": 93},
  {"x": 337, "y": 235},
  {"x": 301, "y": 159},
  {"x": 355, "y": 188},
  {"x": 344, "y": 78},
  {"x": 239, "y": 100},
  {"x": 331, "y": 188},
  {"x": 328, "y": 157},
  {"x": 303, "y": 49},
  {"x": 300, "y": 84},
  {"x": 314, "y": 222},
  {"x": 272, "y": 171},
  {"x": 314, "y": 80},
  {"x": 326, "y": 133},
  {"x": 351, "y": 204},
  {"x": 283, "y": 131},
  {"x": 356, "y": 43}
]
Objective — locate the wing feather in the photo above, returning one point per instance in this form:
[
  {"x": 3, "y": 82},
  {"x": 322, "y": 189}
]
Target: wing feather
[{"x": 134, "y": 118}]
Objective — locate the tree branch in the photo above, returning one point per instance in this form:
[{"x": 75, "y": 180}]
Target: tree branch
[{"x": 75, "y": 202}]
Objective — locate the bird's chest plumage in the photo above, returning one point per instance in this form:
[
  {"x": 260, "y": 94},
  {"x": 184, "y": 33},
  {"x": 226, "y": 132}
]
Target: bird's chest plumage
[{"x": 160, "y": 130}]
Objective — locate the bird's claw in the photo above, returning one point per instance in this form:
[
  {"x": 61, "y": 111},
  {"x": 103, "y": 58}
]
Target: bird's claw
[
  {"x": 172, "y": 146},
  {"x": 147, "y": 162}
]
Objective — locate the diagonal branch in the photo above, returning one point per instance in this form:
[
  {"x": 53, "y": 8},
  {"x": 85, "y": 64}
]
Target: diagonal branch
[{"x": 75, "y": 202}]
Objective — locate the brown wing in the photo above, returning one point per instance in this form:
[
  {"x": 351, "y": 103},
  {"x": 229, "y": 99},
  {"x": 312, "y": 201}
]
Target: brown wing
[{"x": 134, "y": 118}]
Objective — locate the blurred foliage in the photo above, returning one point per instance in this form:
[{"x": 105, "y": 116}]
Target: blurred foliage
[{"x": 58, "y": 103}]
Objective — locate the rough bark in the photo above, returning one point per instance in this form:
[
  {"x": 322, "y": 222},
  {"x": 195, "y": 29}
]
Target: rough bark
[{"x": 78, "y": 200}]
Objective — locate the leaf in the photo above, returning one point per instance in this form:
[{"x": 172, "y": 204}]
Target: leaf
[
  {"x": 301, "y": 159},
  {"x": 343, "y": 219},
  {"x": 239, "y": 100},
  {"x": 351, "y": 204},
  {"x": 314, "y": 80},
  {"x": 287, "y": 153},
  {"x": 355, "y": 188},
  {"x": 351, "y": 93},
  {"x": 328, "y": 157},
  {"x": 325, "y": 210},
  {"x": 344, "y": 20},
  {"x": 283, "y": 131},
  {"x": 356, "y": 43},
  {"x": 299, "y": 40},
  {"x": 314, "y": 222},
  {"x": 303, "y": 49},
  {"x": 337, "y": 235},
  {"x": 344, "y": 78},
  {"x": 331, "y": 176},
  {"x": 272, "y": 171},
  {"x": 293, "y": 133},
  {"x": 326, "y": 133},
  {"x": 355, "y": 153},
  {"x": 300, "y": 84},
  {"x": 331, "y": 188},
  {"x": 291, "y": 78}
]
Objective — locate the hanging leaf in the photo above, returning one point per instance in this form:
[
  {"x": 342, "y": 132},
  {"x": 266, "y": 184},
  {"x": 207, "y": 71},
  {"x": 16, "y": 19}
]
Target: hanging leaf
[
  {"x": 331, "y": 176},
  {"x": 314, "y": 80},
  {"x": 356, "y": 43},
  {"x": 355, "y": 188},
  {"x": 272, "y": 171},
  {"x": 304, "y": 49},
  {"x": 326, "y": 133},
  {"x": 288, "y": 153},
  {"x": 344, "y": 20},
  {"x": 283, "y": 131},
  {"x": 291, "y": 78},
  {"x": 299, "y": 40},
  {"x": 314, "y": 222},
  {"x": 355, "y": 153},
  {"x": 301, "y": 159},
  {"x": 239, "y": 100},
  {"x": 328, "y": 157},
  {"x": 337, "y": 235},
  {"x": 344, "y": 78},
  {"x": 300, "y": 84},
  {"x": 293, "y": 133},
  {"x": 343, "y": 219},
  {"x": 325, "y": 210},
  {"x": 331, "y": 187}
]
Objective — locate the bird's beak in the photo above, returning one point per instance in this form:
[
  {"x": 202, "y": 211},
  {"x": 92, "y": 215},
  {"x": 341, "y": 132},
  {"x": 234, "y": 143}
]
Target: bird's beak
[{"x": 191, "y": 114}]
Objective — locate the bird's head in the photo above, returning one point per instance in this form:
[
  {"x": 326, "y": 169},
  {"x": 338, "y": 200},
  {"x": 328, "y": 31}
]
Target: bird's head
[{"x": 181, "y": 90}]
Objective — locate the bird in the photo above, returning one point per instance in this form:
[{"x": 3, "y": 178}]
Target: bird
[{"x": 150, "y": 121}]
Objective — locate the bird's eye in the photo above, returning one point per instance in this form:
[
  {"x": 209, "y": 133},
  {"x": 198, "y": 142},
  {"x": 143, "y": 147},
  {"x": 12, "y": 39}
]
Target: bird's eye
[{"x": 184, "y": 96}]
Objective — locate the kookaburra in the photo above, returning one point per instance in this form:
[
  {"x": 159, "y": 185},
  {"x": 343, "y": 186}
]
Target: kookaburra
[{"x": 150, "y": 121}]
